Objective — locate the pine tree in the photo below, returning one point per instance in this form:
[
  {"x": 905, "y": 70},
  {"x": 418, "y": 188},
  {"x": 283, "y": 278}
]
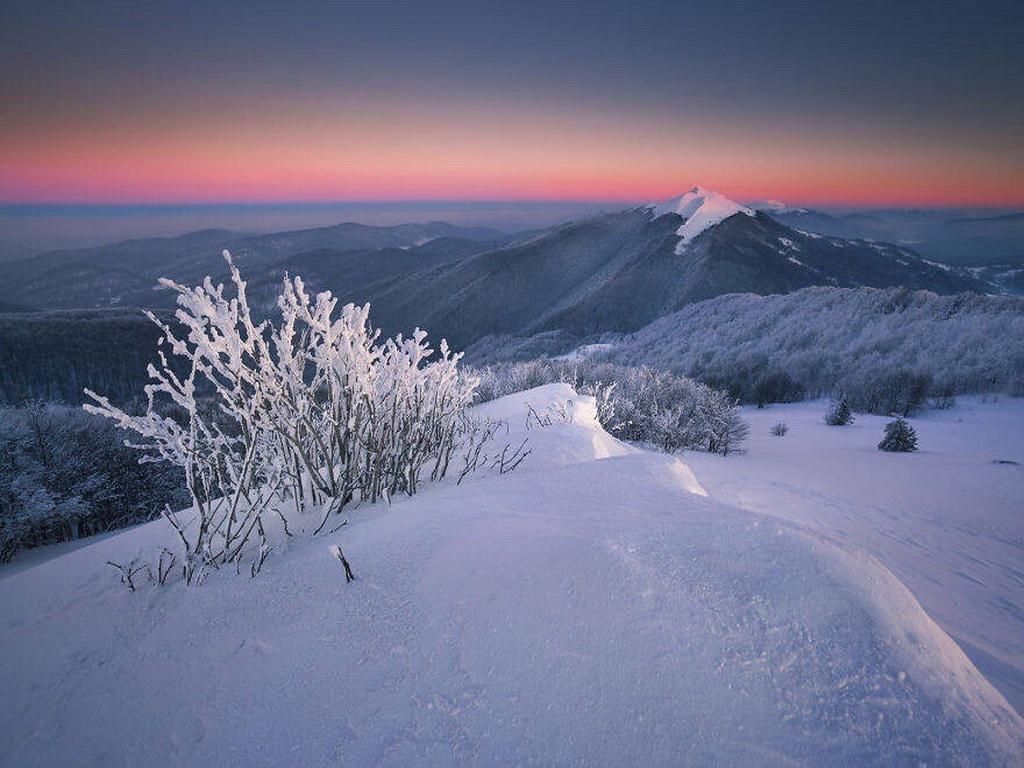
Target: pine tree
[
  {"x": 899, "y": 437},
  {"x": 839, "y": 413}
]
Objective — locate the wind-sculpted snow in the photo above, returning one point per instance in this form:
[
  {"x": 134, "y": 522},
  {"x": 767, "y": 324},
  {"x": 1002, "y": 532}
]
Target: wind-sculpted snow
[
  {"x": 585, "y": 610},
  {"x": 945, "y": 520}
]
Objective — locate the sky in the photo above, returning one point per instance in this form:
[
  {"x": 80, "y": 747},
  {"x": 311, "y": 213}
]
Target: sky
[{"x": 852, "y": 103}]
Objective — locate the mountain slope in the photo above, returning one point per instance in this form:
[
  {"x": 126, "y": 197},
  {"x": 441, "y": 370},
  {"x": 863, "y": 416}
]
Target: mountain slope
[
  {"x": 592, "y": 607},
  {"x": 620, "y": 271},
  {"x": 126, "y": 273},
  {"x": 856, "y": 341},
  {"x": 613, "y": 272},
  {"x": 956, "y": 237}
]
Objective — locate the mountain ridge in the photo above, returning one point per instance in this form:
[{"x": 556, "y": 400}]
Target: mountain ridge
[{"x": 611, "y": 272}]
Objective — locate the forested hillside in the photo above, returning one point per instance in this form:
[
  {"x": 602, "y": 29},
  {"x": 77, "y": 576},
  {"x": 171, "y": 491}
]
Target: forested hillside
[
  {"x": 55, "y": 355},
  {"x": 877, "y": 346}
]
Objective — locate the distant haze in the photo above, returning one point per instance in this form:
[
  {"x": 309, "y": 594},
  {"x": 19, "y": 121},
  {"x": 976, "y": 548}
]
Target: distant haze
[{"x": 26, "y": 230}]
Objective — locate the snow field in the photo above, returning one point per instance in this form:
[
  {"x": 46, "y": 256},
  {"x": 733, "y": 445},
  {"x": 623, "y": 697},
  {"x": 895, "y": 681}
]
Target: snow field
[
  {"x": 591, "y": 607},
  {"x": 947, "y": 520}
]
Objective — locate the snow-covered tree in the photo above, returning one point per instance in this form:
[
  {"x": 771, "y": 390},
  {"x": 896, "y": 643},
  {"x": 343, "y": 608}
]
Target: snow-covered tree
[
  {"x": 65, "y": 474},
  {"x": 899, "y": 437},
  {"x": 839, "y": 413}
]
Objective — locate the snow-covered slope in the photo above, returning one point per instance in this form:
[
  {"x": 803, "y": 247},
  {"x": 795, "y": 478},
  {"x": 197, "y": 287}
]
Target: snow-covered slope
[
  {"x": 591, "y": 607},
  {"x": 701, "y": 209},
  {"x": 947, "y": 520}
]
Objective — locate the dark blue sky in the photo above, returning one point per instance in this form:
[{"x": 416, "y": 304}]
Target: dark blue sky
[{"x": 818, "y": 99}]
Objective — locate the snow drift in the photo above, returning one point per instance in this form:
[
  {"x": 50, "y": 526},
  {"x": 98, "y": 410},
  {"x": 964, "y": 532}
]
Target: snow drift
[{"x": 591, "y": 607}]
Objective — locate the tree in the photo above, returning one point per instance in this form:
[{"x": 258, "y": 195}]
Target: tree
[
  {"x": 899, "y": 437},
  {"x": 65, "y": 474},
  {"x": 839, "y": 413},
  {"x": 776, "y": 387}
]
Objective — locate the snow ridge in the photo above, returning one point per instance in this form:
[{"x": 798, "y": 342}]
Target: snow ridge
[{"x": 701, "y": 209}]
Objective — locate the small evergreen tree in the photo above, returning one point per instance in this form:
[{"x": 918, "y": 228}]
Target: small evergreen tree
[
  {"x": 899, "y": 437},
  {"x": 839, "y": 413}
]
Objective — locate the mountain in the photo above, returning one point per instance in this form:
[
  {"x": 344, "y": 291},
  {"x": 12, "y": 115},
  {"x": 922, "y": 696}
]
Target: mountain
[
  {"x": 1009, "y": 276},
  {"x": 810, "y": 220},
  {"x": 613, "y": 272},
  {"x": 6, "y": 306},
  {"x": 955, "y": 237},
  {"x": 356, "y": 275},
  {"x": 125, "y": 274},
  {"x": 620, "y": 271},
  {"x": 1016, "y": 218},
  {"x": 982, "y": 241}
]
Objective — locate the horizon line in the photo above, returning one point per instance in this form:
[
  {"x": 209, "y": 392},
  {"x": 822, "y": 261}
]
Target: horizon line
[{"x": 58, "y": 206}]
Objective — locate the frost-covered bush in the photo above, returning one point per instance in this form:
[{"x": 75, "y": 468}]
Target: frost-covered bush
[
  {"x": 780, "y": 429},
  {"x": 900, "y": 437},
  {"x": 65, "y": 474},
  {"x": 638, "y": 404},
  {"x": 309, "y": 412},
  {"x": 839, "y": 413},
  {"x": 887, "y": 350}
]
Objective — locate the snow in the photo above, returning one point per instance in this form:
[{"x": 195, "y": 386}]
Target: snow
[
  {"x": 936, "y": 264},
  {"x": 948, "y": 521},
  {"x": 777, "y": 206},
  {"x": 812, "y": 235},
  {"x": 701, "y": 209},
  {"x": 591, "y": 607},
  {"x": 584, "y": 351}
]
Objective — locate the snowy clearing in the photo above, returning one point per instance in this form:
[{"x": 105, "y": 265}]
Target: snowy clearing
[
  {"x": 948, "y": 520},
  {"x": 592, "y": 607}
]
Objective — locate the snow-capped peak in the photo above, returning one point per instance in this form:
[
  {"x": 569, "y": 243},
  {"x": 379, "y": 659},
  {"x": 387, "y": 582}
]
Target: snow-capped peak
[
  {"x": 701, "y": 209},
  {"x": 777, "y": 206}
]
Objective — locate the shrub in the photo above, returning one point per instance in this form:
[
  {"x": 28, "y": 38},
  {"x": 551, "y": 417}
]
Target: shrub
[
  {"x": 637, "y": 404},
  {"x": 780, "y": 429},
  {"x": 899, "y": 437},
  {"x": 311, "y": 413},
  {"x": 839, "y": 413}
]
